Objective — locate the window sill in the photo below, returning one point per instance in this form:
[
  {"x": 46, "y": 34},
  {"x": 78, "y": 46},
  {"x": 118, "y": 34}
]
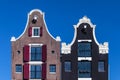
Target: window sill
[
  {"x": 35, "y": 79},
  {"x": 84, "y": 78},
  {"x": 84, "y": 58},
  {"x": 35, "y": 36},
  {"x": 52, "y": 72},
  {"x": 18, "y": 72},
  {"x": 35, "y": 62}
]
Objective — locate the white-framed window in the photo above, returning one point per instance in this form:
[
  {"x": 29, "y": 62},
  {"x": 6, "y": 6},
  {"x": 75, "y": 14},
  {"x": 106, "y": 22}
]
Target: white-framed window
[
  {"x": 36, "y": 52},
  {"x": 18, "y": 68},
  {"x": 35, "y": 72},
  {"x": 35, "y": 31},
  {"x": 52, "y": 68}
]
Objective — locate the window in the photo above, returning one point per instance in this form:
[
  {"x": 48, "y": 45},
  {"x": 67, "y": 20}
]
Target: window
[
  {"x": 52, "y": 68},
  {"x": 36, "y": 32},
  {"x": 36, "y": 53},
  {"x": 84, "y": 49},
  {"x": 101, "y": 66},
  {"x": 84, "y": 69},
  {"x": 67, "y": 66},
  {"x": 36, "y": 72},
  {"x": 18, "y": 68}
]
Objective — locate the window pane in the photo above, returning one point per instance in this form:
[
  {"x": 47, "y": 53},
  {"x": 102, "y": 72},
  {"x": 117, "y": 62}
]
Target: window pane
[
  {"x": 38, "y": 75},
  {"x": 36, "y": 31},
  {"x": 101, "y": 66},
  {"x": 52, "y": 68},
  {"x": 67, "y": 66},
  {"x": 84, "y": 49},
  {"x": 84, "y": 69},
  {"x": 32, "y": 75},
  {"x": 35, "y": 72},
  {"x": 18, "y": 68},
  {"x": 36, "y": 53}
]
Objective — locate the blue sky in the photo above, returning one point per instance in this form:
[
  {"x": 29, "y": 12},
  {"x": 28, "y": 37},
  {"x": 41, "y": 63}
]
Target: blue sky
[{"x": 60, "y": 16}]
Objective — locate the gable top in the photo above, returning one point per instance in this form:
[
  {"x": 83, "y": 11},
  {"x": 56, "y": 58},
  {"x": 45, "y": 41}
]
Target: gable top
[
  {"x": 66, "y": 48},
  {"x": 85, "y": 19},
  {"x": 43, "y": 14}
]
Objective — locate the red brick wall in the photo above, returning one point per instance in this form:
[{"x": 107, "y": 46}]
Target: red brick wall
[{"x": 46, "y": 39}]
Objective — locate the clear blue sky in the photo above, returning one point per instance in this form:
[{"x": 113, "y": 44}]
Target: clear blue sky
[{"x": 60, "y": 16}]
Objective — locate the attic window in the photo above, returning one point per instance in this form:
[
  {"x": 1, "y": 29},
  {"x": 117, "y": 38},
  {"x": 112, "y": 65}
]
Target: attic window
[{"x": 36, "y": 32}]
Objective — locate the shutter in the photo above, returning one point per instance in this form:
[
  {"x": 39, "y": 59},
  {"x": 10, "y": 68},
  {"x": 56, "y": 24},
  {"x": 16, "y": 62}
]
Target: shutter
[
  {"x": 41, "y": 31},
  {"x": 44, "y": 53},
  {"x": 44, "y": 70},
  {"x": 30, "y": 31},
  {"x": 26, "y": 71},
  {"x": 26, "y": 53}
]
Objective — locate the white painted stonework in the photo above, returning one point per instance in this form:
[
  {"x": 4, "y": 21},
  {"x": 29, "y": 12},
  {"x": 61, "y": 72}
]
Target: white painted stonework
[
  {"x": 84, "y": 78},
  {"x": 103, "y": 48},
  {"x": 65, "y": 49},
  {"x": 85, "y": 40},
  {"x": 84, "y": 58}
]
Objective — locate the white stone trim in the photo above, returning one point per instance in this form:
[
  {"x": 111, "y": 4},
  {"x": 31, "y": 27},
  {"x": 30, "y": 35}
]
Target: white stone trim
[
  {"x": 13, "y": 39},
  {"x": 35, "y": 62},
  {"x": 58, "y": 38},
  {"x": 65, "y": 49},
  {"x": 84, "y": 78},
  {"x": 85, "y": 40},
  {"x": 103, "y": 48},
  {"x": 42, "y": 13},
  {"x": 35, "y": 44},
  {"x": 84, "y": 58},
  {"x": 52, "y": 72}
]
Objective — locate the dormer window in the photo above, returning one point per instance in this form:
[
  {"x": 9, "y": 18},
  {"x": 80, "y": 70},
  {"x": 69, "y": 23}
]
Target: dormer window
[{"x": 36, "y": 32}]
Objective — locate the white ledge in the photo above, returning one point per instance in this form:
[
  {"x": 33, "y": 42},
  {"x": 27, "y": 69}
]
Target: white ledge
[
  {"x": 84, "y": 78},
  {"x": 35, "y": 62},
  {"x": 58, "y": 38},
  {"x": 85, "y": 40},
  {"x": 84, "y": 58},
  {"x": 13, "y": 39}
]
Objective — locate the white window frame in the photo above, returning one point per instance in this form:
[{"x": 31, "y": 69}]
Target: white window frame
[
  {"x": 34, "y": 45},
  {"x": 33, "y": 31},
  {"x": 30, "y": 70},
  {"x": 21, "y": 68},
  {"x": 55, "y": 69}
]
